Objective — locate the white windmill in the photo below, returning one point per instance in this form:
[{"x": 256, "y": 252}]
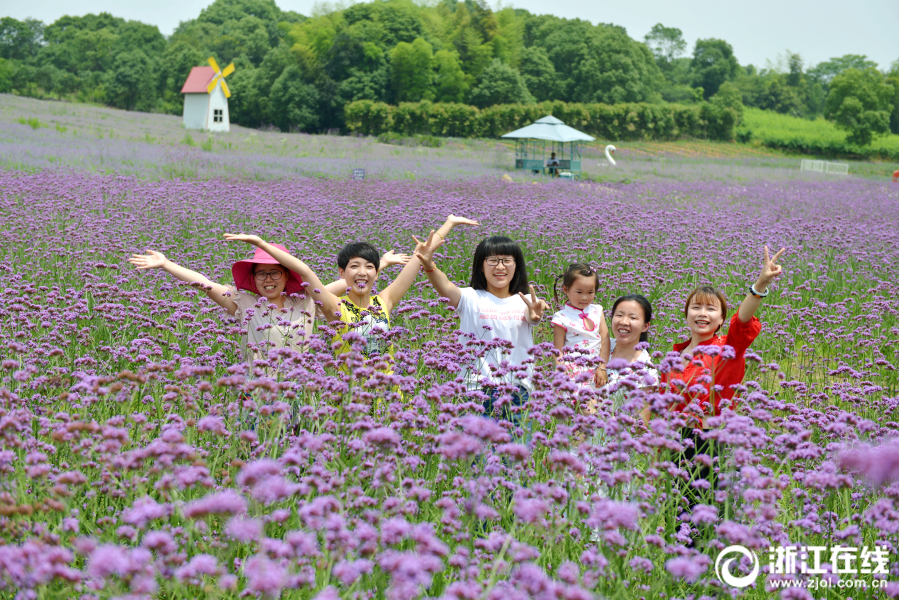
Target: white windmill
[{"x": 206, "y": 98}]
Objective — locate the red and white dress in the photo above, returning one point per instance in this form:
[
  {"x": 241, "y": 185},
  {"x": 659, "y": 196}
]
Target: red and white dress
[{"x": 581, "y": 337}]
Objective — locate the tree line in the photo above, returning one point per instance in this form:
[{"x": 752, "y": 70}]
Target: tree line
[{"x": 299, "y": 73}]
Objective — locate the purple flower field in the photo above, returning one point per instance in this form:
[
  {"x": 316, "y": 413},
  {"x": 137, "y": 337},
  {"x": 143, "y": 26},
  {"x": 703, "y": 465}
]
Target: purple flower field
[{"x": 139, "y": 458}]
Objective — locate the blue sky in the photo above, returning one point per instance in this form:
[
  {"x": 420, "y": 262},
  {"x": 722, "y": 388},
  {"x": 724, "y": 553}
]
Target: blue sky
[{"x": 759, "y": 30}]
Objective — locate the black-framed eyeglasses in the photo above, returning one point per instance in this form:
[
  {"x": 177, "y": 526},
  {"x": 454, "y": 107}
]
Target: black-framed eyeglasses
[
  {"x": 507, "y": 262},
  {"x": 275, "y": 275}
]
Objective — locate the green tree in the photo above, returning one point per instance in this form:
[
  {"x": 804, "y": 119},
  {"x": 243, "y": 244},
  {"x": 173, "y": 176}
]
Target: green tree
[
  {"x": 20, "y": 40},
  {"x": 779, "y": 96},
  {"x": 613, "y": 68},
  {"x": 539, "y": 74},
  {"x": 47, "y": 78},
  {"x": 729, "y": 96},
  {"x": 91, "y": 50},
  {"x": 130, "y": 84},
  {"x": 174, "y": 67},
  {"x": 507, "y": 41},
  {"x": 795, "y": 63},
  {"x": 893, "y": 80},
  {"x": 500, "y": 84},
  {"x": 134, "y": 35},
  {"x": 825, "y": 71},
  {"x": 450, "y": 85},
  {"x": 247, "y": 37},
  {"x": 859, "y": 101},
  {"x": 713, "y": 63},
  {"x": 221, "y": 12},
  {"x": 294, "y": 104},
  {"x": 666, "y": 43},
  {"x": 7, "y": 73},
  {"x": 412, "y": 72},
  {"x": 66, "y": 28}
]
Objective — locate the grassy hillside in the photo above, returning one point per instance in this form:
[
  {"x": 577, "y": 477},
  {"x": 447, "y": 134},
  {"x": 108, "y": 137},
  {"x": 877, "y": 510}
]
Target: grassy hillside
[{"x": 818, "y": 137}]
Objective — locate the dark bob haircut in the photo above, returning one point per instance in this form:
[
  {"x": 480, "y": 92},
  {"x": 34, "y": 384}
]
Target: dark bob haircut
[
  {"x": 643, "y": 303},
  {"x": 499, "y": 245},
  {"x": 362, "y": 250}
]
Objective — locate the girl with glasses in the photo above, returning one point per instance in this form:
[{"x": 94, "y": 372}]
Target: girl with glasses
[
  {"x": 580, "y": 333},
  {"x": 498, "y": 305}
]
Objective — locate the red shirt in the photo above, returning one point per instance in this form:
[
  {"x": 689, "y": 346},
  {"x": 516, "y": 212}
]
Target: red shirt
[{"x": 723, "y": 368}]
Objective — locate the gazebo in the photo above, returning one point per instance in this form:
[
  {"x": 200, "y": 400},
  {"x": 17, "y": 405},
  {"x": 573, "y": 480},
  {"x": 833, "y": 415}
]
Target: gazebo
[{"x": 531, "y": 149}]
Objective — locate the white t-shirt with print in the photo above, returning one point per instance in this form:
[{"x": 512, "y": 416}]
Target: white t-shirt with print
[
  {"x": 584, "y": 340},
  {"x": 650, "y": 374},
  {"x": 507, "y": 320}
]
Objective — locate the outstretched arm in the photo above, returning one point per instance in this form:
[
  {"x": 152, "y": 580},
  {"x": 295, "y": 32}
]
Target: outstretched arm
[
  {"x": 452, "y": 221},
  {"x": 339, "y": 287},
  {"x": 318, "y": 292},
  {"x": 442, "y": 285},
  {"x": 770, "y": 270},
  {"x": 157, "y": 260},
  {"x": 394, "y": 292}
]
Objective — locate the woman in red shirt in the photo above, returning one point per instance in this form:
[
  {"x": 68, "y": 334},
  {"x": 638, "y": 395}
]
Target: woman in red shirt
[{"x": 712, "y": 364}]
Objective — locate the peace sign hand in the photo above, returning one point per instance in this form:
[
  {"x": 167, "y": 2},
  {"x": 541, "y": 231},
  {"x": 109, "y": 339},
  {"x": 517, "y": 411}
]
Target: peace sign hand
[
  {"x": 425, "y": 250},
  {"x": 770, "y": 269},
  {"x": 536, "y": 306}
]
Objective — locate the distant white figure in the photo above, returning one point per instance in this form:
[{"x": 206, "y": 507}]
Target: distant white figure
[{"x": 610, "y": 149}]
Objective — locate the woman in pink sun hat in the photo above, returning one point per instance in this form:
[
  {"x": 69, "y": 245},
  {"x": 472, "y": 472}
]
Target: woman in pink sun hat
[{"x": 275, "y": 314}]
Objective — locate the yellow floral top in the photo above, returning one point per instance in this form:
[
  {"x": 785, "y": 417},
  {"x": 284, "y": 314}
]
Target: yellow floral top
[{"x": 371, "y": 323}]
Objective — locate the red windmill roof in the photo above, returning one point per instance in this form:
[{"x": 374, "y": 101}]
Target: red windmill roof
[{"x": 198, "y": 79}]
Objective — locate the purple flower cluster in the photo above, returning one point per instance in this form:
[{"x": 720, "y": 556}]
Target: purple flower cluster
[{"x": 140, "y": 458}]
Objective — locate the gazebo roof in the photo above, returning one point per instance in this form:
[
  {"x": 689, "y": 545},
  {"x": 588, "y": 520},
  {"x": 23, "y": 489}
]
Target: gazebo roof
[{"x": 551, "y": 129}]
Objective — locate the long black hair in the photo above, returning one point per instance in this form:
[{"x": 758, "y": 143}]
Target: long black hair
[
  {"x": 643, "y": 303},
  {"x": 499, "y": 245}
]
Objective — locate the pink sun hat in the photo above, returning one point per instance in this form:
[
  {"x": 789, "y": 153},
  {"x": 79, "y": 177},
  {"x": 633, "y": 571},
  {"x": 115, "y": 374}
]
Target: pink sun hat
[{"x": 242, "y": 271}]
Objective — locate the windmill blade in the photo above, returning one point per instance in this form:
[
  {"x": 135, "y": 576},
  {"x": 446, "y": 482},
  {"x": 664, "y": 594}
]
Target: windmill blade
[
  {"x": 228, "y": 70},
  {"x": 214, "y": 65},
  {"x": 225, "y": 89},
  {"x": 213, "y": 83}
]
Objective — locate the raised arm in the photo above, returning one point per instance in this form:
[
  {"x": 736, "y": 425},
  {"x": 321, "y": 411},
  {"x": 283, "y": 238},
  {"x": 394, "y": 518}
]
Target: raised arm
[
  {"x": 770, "y": 270},
  {"x": 394, "y": 292},
  {"x": 452, "y": 221},
  {"x": 390, "y": 258},
  {"x": 157, "y": 260},
  {"x": 442, "y": 285},
  {"x": 317, "y": 291}
]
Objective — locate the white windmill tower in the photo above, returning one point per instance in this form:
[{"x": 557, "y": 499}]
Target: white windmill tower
[{"x": 206, "y": 98}]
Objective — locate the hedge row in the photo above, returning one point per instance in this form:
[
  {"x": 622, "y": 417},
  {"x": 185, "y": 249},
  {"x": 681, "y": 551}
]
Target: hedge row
[
  {"x": 603, "y": 121},
  {"x": 822, "y": 148}
]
